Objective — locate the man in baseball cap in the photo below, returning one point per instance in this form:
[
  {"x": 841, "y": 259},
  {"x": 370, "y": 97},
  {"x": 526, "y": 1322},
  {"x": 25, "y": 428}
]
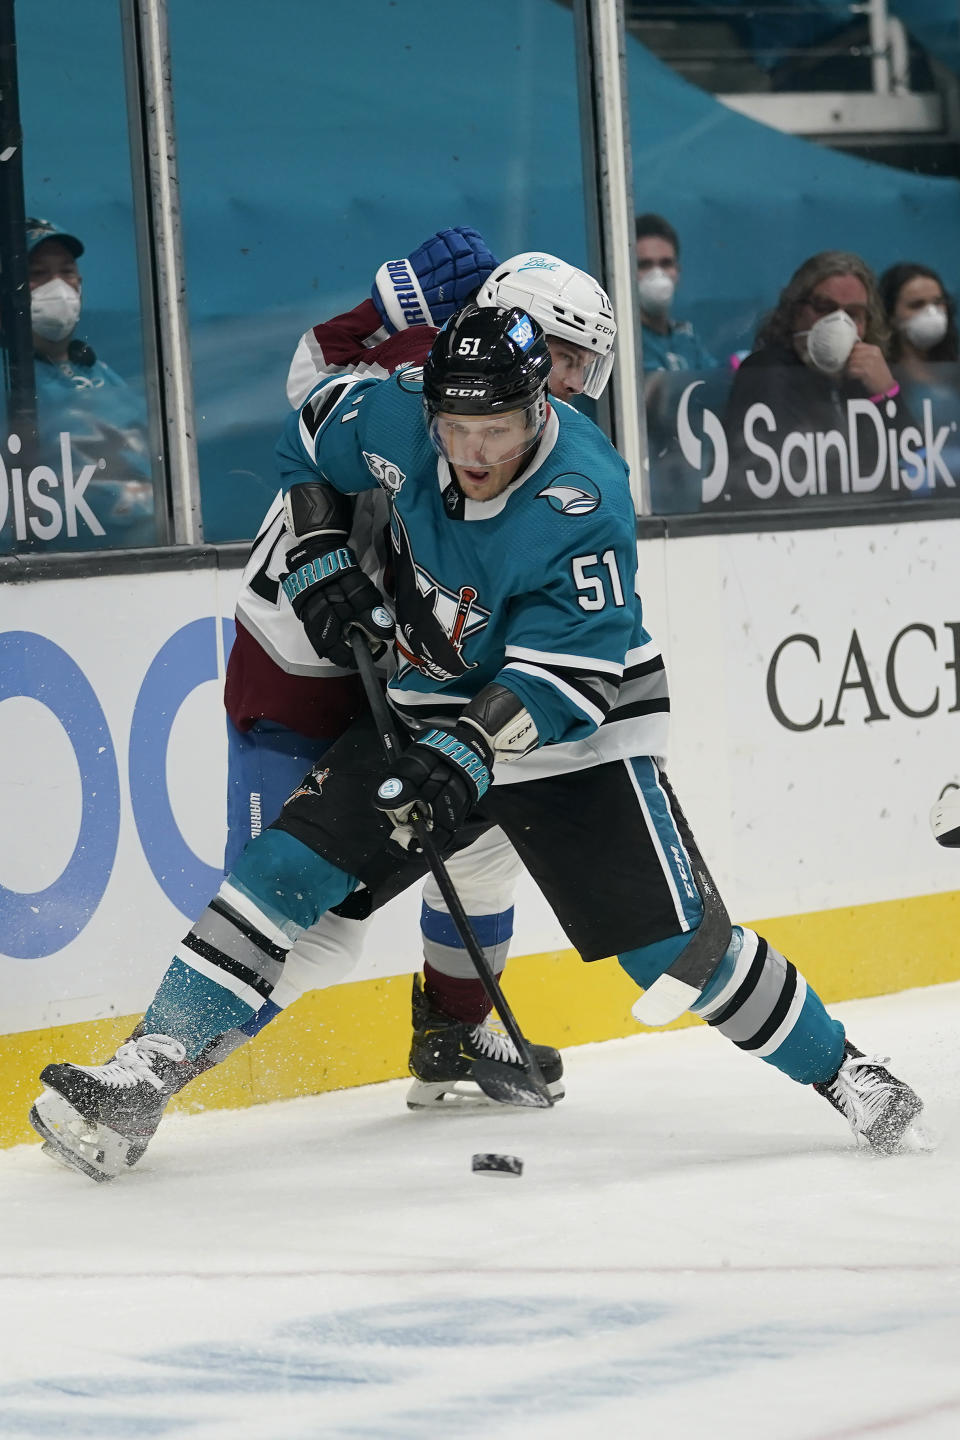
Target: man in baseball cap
[
  {"x": 84, "y": 408},
  {"x": 40, "y": 230},
  {"x": 55, "y": 287}
]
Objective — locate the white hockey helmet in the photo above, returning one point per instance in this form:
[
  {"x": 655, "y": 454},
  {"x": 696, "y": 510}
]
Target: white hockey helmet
[{"x": 567, "y": 302}]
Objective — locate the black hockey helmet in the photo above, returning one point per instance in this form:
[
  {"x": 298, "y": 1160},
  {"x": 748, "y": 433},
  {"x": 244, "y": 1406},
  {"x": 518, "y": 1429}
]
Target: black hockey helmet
[{"x": 486, "y": 360}]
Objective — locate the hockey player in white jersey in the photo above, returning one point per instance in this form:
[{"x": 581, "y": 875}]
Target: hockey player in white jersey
[
  {"x": 945, "y": 817},
  {"x": 286, "y": 704},
  {"x": 541, "y": 712}
]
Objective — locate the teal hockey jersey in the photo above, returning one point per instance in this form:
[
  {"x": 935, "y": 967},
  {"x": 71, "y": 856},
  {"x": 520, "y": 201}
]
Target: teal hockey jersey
[{"x": 536, "y": 588}]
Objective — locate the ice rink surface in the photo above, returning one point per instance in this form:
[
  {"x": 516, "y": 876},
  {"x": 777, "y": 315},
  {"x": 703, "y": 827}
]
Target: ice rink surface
[{"x": 695, "y": 1249}]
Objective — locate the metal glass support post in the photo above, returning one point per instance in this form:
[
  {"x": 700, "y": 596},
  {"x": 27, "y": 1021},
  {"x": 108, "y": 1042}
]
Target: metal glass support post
[
  {"x": 159, "y": 240},
  {"x": 608, "y": 188},
  {"x": 880, "y": 47},
  {"x": 19, "y": 376}
]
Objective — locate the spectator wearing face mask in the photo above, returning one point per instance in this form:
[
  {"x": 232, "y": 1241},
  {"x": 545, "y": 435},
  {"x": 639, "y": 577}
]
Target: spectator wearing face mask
[
  {"x": 670, "y": 347},
  {"x": 791, "y": 431},
  {"x": 922, "y": 319},
  {"x": 925, "y": 348},
  {"x": 92, "y": 425},
  {"x": 668, "y": 344}
]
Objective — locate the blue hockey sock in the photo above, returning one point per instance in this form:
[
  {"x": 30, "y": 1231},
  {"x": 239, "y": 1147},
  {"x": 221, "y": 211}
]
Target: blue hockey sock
[
  {"x": 450, "y": 977},
  {"x": 267, "y": 1012}
]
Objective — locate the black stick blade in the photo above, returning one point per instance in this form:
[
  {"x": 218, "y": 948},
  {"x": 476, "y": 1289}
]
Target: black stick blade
[{"x": 509, "y": 1085}]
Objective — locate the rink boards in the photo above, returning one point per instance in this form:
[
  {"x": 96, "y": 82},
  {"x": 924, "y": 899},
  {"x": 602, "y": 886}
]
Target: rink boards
[{"x": 816, "y": 690}]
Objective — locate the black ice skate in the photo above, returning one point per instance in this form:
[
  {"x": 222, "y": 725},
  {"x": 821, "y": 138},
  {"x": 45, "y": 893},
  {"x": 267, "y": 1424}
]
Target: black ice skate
[
  {"x": 880, "y": 1109},
  {"x": 443, "y": 1052},
  {"x": 99, "y": 1119}
]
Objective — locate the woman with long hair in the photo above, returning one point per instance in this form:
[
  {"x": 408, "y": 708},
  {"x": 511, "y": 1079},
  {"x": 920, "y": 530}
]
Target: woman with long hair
[
  {"x": 925, "y": 348},
  {"x": 921, "y": 316},
  {"x": 794, "y": 425}
]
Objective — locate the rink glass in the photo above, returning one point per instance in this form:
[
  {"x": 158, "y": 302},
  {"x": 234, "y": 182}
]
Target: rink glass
[
  {"x": 89, "y": 476},
  {"x": 751, "y": 202}
]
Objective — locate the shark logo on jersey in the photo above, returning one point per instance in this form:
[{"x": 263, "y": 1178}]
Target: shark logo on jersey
[
  {"x": 433, "y": 621},
  {"x": 571, "y": 495},
  {"x": 410, "y": 377},
  {"x": 389, "y": 476},
  {"x": 312, "y": 784}
]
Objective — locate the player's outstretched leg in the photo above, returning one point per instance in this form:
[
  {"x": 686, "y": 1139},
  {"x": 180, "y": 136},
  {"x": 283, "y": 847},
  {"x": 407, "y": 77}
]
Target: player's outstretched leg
[
  {"x": 444, "y": 1049},
  {"x": 100, "y": 1118},
  {"x": 761, "y": 1002}
]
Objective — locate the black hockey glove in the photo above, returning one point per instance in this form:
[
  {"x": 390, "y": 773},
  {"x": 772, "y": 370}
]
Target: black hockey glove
[
  {"x": 330, "y": 594},
  {"x": 441, "y": 776}
]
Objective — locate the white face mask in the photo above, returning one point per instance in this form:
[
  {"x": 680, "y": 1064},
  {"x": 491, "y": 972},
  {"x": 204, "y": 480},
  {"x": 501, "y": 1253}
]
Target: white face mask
[
  {"x": 655, "y": 288},
  {"x": 54, "y": 309},
  {"x": 927, "y": 327},
  {"x": 830, "y": 341}
]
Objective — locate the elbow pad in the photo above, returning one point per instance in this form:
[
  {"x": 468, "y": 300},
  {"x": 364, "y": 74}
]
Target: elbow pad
[
  {"x": 503, "y": 722},
  {"x": 315, "y": 510}
]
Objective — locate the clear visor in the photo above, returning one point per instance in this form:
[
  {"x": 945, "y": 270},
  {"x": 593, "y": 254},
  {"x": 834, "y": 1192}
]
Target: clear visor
[
  {"x": 597, "y": 374},
  {"x": 479, "y": 441},
  {"x": 583, "y": 370}
]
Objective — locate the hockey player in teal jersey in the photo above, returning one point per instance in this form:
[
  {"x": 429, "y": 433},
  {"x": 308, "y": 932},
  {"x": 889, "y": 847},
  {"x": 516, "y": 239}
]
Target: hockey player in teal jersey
[
  {"x": 486, "y": 565},
  {"x": 533, "y": 699},
  {"x": 279, "y": 719}
]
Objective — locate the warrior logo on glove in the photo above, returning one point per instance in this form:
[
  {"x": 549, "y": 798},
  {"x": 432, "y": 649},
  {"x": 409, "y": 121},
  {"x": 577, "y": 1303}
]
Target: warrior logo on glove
[{"x": 438, "y": 780}]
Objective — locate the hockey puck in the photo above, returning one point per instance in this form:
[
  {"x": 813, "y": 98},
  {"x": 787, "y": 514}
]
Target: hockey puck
[{"x": 497, "y": 1165}]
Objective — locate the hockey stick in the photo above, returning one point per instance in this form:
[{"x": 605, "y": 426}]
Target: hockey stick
[
  {"x": 500, "y": 1081},
  {"x": 681, "y": 985}
]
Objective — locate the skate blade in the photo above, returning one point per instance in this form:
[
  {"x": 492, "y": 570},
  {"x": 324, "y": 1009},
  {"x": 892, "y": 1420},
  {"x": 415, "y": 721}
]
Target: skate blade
[
  {"x": 917, "y": 1137},
  {"x": 459, "y": 1095},
  {"x": 93, "y": 1150}
]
